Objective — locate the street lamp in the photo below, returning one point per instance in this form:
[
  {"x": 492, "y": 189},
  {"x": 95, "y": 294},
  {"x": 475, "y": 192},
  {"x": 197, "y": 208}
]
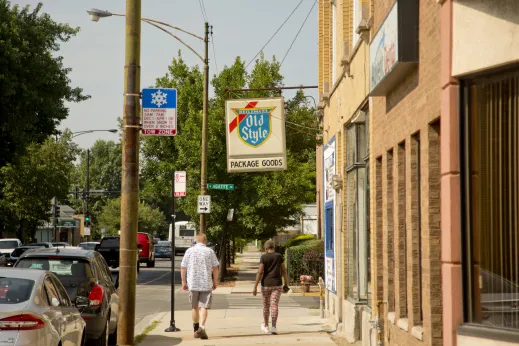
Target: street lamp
[
  {"x": 79, "y": 133},
  {"x": 96, "y": 14}
]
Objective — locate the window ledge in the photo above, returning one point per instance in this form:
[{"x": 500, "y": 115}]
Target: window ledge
[
  {"x": 391, "y": 317},
  {"x": 403, "y": 324},
  {"x": 417, "y": 332}
]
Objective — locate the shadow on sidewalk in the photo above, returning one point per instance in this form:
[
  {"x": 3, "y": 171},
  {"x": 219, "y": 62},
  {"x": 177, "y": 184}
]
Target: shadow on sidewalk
[
  {"x": 161, "y": 340},
  {"x": 264, "y": 335}
]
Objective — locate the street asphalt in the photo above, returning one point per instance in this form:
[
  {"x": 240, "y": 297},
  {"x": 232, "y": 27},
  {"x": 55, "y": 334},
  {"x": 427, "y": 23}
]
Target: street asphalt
[{"x": 154, "y": 290}]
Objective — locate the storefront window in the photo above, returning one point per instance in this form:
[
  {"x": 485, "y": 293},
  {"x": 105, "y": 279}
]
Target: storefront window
[{"x": 490, "y": 156}]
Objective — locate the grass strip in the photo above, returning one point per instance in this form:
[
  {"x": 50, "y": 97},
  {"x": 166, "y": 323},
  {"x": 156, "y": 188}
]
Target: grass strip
[{"x": 138, "y": 339}]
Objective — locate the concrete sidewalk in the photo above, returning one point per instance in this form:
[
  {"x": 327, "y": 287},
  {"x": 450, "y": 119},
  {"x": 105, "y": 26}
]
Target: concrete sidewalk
[{"x": 240, "y": 325}]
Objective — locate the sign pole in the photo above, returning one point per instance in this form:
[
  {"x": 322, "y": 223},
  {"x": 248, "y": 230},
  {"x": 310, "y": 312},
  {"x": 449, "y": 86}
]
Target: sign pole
[{"x": 172, "y": 327}]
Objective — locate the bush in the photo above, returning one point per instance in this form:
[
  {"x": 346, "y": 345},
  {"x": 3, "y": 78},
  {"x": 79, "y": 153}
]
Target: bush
[
  {"x": 305, "y": 259},
  {"x": 299, "y": 240}
]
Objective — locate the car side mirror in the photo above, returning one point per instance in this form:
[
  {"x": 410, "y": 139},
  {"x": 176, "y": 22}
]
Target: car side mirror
[
  {"x": 54, "y": 302},
  {"x": 82, "y": 302},
  {"x": 97, "y": 247}
]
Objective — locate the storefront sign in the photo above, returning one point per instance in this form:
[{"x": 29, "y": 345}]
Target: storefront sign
[
  {"x": 329, "y": 215},
  {"x": 393, "y": 52},
  {"x": 256, "y": 135}
]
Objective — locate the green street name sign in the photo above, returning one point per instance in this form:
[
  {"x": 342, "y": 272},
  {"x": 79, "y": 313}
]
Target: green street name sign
[{"x": 229, "y": 187}]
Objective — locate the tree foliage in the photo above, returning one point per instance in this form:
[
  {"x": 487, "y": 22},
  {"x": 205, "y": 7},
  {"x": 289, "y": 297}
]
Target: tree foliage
[
  {"x": 28, "y": 186},
  {"x": 263, "y": 202},
  {"x": 105, "y": 173},
  {"x": 34, "y": 83},
  {"x": 151, "y": 220}
]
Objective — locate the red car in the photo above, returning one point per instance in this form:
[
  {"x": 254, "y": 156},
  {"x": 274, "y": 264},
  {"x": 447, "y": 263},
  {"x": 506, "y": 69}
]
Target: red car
[{"x": 147, "y": 251}]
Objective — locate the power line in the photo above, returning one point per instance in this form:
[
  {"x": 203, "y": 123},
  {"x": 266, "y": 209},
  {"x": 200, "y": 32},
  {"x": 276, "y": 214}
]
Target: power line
[
  {"x": 202, "y": 9},
  {"x": 301, "y": 28},
  {"x": 270, "y": 39},
  {"x": 214, "y": 52}
]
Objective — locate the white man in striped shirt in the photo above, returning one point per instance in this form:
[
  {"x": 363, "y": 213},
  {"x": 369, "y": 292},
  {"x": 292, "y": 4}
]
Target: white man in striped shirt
[{"x": 199, "y": 271}]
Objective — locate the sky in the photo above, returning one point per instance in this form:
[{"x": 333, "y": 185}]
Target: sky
[{"x": 240, "y": 28}]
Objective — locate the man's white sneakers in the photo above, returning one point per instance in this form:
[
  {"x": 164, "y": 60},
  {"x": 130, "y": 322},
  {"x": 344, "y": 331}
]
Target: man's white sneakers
[
  {"x": 273, "y": 330},
  {"x": 264, "y": 328}
]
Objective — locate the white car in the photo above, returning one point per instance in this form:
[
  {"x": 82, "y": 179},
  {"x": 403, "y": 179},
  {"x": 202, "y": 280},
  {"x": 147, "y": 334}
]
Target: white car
[
  {"x": 7, "y": 246},
  {"x": 35, "y": 309}
]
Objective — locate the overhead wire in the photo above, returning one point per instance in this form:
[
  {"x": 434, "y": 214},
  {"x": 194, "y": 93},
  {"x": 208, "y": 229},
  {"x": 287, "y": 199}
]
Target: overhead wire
[
  {"x": 270, "y": 39},
  {"x": 298, "y": 32},
  {"x": 214, "y": 51},
  {"x": 202, "y": 9}
]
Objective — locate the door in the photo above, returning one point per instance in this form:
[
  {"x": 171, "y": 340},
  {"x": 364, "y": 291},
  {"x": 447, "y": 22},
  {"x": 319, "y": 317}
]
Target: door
[
  {"x": 72, "y": 317},
  {"x": 54, "y": 314}
]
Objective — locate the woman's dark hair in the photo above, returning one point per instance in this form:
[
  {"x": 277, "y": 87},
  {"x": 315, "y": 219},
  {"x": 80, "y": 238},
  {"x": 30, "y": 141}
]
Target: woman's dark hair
[{"x": 269, "y": 245}]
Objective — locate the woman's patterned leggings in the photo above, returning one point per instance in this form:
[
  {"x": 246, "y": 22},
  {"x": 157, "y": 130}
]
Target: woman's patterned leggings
[{"x": 271, "y": 297}]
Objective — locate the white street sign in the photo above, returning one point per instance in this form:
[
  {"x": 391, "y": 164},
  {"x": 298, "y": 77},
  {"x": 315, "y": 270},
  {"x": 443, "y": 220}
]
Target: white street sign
[
  {"x": 86, "y": 231},
  {"x": 230, "y": 214},
  {"x": 180, "y": 183},
  {"x": 159, "y": 112},
  {"x": 204, "y": 204}
]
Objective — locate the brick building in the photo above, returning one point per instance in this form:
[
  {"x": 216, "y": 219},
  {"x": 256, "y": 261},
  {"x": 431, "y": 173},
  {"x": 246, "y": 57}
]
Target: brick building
[
  {"x": 480, "y": 172},
  {"x": 419, "y": 196},
  {"x": 405, "y": 171}
]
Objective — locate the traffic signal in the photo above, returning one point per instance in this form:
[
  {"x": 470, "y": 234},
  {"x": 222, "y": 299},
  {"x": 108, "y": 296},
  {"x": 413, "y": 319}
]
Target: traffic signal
[
  {"x": 83, "y": 194},
  {"x": 87, "y": 220},
  {"x": 57, "y": 211},
  {"x": 76, "y": 192}
]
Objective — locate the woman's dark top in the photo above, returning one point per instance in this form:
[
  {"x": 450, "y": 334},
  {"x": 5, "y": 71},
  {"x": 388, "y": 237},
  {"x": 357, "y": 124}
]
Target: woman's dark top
[{"x": 272, "y": 269}]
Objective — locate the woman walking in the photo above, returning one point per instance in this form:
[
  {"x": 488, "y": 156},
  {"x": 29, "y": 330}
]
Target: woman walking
[{"x": 270, "y": 272}]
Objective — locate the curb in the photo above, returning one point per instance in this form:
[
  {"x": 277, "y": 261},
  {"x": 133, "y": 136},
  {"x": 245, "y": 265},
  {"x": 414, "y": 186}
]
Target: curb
[{"x": 146, "y": 321}]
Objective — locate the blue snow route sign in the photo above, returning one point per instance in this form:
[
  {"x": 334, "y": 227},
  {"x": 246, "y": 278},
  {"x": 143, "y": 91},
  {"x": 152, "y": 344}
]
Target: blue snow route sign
[{"x": 159, "y": 112}]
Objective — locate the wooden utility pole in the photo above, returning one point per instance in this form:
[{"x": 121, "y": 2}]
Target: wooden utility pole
[
  {"x": 130, "y": 181},
  {"x": 203, "y": 168}
]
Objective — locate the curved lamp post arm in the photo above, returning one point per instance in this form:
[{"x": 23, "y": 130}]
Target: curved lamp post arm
[
  {"x": 173, "y": 27},
  {"x": 79, "y": 133},
  {"x": 171, "y": 34}
]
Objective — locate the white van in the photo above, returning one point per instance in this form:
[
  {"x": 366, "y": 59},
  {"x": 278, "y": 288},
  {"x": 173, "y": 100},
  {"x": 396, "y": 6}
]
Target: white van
[
  {"x": 7, "y": 246},
  {"x": 185, "y": 232}
]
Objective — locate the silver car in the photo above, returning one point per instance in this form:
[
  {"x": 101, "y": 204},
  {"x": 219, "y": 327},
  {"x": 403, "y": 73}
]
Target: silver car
[{"x": 35, "y": 309}]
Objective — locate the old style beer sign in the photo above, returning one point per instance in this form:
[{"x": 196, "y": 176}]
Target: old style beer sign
[{"x": 256, "y": 135}]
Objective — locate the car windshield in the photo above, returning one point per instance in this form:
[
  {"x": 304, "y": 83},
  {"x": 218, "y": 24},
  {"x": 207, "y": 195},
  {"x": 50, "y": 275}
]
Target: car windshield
[
  {"x": 186, "y": 232},
  {"x": 69, "y": 271},
  {"x": 110, "y": 242},
  {"x": 8, "y": 244},
  {"x": 87, "y": 246},
  {"x": 14, "y": 291}
]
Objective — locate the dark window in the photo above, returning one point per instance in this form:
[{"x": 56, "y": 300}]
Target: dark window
[
  {"x": 8, "y": 244},
  {"x": 14, "y": 291},
  {"x": 186, "y": 232},
  {"x": 63, "y": 295},
  {"x": 110, "y": 242},
  {"x": 490, "y": 153}
]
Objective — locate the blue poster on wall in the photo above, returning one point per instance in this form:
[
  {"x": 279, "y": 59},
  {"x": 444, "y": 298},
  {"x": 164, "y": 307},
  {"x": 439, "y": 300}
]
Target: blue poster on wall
[{"x": 329, "y": 215}]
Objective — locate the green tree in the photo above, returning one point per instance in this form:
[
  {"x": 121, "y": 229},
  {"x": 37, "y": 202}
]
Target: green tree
[
  {"x": 105, "y": 173},
  {"x": 151, "y": 220},
  {"x": 263, "y": 202},
  {"x": 28, "y": 186},
  {"x": 34, "y": 83}
]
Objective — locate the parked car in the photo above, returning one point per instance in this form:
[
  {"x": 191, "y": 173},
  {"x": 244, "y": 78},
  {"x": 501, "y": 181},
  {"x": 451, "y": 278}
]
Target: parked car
[
  {"x": 163, "y": 249},
  {"x": 7, "y": 246},
  {"x": 33, "y": 316},
  {"x": 109, "y": 248},
  {"x": 88, "y": 281},
  {"x": 15, "y": 255},
  {"x": 147, "y": 255},
  {"x": 88, "y": 245},
  {"x": 45, "y": 244}
]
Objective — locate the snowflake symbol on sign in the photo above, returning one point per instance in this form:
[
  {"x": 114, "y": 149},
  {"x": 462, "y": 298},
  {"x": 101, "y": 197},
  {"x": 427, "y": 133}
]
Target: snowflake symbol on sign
[{"x": 159, "y": 98}]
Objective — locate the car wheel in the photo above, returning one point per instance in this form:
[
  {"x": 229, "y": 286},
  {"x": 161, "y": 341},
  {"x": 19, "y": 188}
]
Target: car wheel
[
  {"x": 112, "y": 339},
  {"x": 152, "y": 264},
  {"x": 148, "y": 264},
  {"x": 103, "y": 339}
]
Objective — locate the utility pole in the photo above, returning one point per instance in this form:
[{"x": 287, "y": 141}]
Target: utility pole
[
  {"x": 130, "y": 181},
  {"x": 87, "y": 192},
  {"x": 203, "y": 169},
  {"x": 54, "y": 218}
]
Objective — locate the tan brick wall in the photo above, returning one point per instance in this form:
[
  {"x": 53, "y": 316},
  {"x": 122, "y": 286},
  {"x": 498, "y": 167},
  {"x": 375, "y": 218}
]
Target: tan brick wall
[{"x": 409, "y": 109}]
